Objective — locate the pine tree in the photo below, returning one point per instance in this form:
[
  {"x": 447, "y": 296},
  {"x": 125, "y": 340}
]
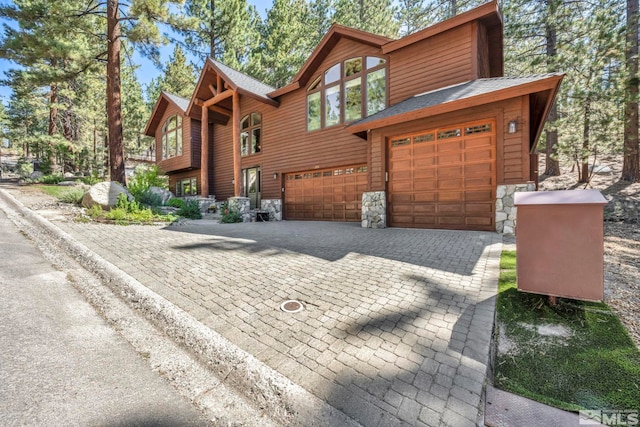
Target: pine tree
[
  {"x": 631, "y": 148},
  {"x": 285, "y": 41},
  {"x": 374, "y": 16},
  {"x": 179, "y": 78}
]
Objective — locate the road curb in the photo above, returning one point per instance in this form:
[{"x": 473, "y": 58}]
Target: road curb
[{"x": 280, "y": 398}]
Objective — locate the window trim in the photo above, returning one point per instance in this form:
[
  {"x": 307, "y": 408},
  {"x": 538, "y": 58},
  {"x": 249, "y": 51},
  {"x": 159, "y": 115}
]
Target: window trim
[
  {"x": 167, "y": 133},
  {"x": 318, "y": 85},
  {"x": 250, "y": 134}
]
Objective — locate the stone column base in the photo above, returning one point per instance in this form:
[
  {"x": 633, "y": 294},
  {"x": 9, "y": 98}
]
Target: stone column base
[
  {"x": 242, "y": 206},
  {"x": 374, "y": 209},
  {"x": 505, "y": 210},
  {"x": 274, "y": 207}
]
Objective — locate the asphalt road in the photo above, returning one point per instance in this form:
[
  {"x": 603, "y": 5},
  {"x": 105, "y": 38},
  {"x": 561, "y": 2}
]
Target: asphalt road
[{"x": 61, "y": 363}]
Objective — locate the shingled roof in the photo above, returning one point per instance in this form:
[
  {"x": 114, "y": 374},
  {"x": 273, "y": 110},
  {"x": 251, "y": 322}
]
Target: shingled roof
[
  {"x": 182, "y": 103},
  {"x": 243, "y": 81},
  {"x": 474, "y": 90}
]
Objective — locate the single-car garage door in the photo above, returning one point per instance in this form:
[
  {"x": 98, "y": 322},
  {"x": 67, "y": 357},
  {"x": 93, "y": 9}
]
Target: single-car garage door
[
  {"x": 325, "y": 194},
  {"x": 444, "y": 178}
]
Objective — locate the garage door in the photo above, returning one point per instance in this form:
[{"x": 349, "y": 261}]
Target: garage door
[
  {"x": 444, "y": 178},
  {"x": 325, "y": 194}
]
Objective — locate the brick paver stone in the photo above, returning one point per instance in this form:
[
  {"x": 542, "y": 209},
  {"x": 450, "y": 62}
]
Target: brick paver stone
[{"x": 397, "y": 322}]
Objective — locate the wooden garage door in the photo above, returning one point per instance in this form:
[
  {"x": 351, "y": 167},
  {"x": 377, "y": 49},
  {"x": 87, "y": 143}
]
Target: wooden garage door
[
  {"x": 325, "y": 194},
  {"x": 444, "y": 178}
]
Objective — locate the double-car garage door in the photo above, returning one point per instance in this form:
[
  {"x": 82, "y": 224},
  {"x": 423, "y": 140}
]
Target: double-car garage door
[
  {"x": 325, "y": 194},
  {"x": 443, "y": 178}
]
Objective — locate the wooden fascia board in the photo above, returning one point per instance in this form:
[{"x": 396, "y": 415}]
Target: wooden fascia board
[
  {"x": 148, "y": 130},
  {"x": 192, "y": 101},
  {"x": 461, "y": 104},
  {"x": 257, "y": 97},
  {"x": 284, "y": 89},
  {"x": 545, "y": 113},
  {"x": 474, "y": 14}
]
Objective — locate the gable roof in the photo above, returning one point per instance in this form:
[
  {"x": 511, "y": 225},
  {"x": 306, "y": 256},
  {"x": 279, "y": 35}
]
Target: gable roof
[
  {"x": 322, "y": 50},
  {"x": 456, "y": 97},
  {"x": 234, "y": 79},
  {"x": 164, "y": 100}
]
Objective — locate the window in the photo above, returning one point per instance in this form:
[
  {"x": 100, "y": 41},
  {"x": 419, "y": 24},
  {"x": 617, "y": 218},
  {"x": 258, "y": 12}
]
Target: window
[
  {"x": 347, "y": 91},
  {"x": 172, "y": 137},
  {"x": 250, "y": 136},
  {"x": 186, "y": 187}
]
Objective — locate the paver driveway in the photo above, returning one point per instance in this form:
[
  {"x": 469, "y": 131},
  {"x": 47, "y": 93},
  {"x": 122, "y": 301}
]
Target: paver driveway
[{"x": 396, "y": 326}]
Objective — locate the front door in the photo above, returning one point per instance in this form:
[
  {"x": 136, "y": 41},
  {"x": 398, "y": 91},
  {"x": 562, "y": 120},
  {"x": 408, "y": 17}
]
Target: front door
[{"x": 251, "y": 186}]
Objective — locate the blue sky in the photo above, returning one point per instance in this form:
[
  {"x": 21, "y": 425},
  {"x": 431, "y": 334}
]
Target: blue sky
[{"x": 147, "y": 70}]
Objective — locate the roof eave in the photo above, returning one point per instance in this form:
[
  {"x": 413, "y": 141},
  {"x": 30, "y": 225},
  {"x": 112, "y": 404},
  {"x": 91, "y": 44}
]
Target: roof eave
[
  {"x": 551, "y": 82},
  {"x": 192, "y": 101},
  {"x": 163, "y": 95},
  {"x": 545, "y": 114}
]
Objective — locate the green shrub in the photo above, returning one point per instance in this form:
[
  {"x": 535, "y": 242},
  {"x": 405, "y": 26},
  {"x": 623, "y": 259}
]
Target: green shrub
[
  {"x": 74, "y": 196},
  {"x": 24, "y": 168},
  {"x": 93, "y": 179},
  {"x": 229, "y": 215},
  {"x": 51, "y": 179},
  {"x": 95, "y": 211},
  {"x": 190, "y": 210},
  {"x": 116, "y": 214},
  {"x": 177, "y": 203},
  {"x": 144, "y": 178},
  {"x": 150, "y": 199}
]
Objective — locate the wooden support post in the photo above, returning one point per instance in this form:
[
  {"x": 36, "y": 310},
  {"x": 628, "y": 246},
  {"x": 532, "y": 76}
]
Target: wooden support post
[
  {"x": 237, "y": 166},
  {"x": 204, "y": 153}
]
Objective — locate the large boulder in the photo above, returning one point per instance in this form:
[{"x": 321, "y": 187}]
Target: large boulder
[
  {"x": 104, "y": 194},
  {"x": 165, "y": 195}
]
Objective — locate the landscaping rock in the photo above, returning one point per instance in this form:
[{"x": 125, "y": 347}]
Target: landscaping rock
[
  {"x": 69, "y": 175},
  {"x": 104, "y": 194},
  {"x": 165, "y": 195},
  {"x": 36, "y": 175}
]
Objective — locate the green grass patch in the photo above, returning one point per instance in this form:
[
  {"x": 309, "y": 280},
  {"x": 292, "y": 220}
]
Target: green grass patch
[
  {"x": 57, "y": 191},
  {"x": 574, "y": 355}
]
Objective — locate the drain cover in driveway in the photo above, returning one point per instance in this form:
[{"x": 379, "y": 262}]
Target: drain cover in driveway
[{"x": 291, "y": 306}]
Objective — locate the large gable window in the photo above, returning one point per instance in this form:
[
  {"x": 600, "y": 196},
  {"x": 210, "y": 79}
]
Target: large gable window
[
  {"x": 347, "y": 91},
  {"x": 172, "y": 137},
  {"x": 250, "y": 134}
]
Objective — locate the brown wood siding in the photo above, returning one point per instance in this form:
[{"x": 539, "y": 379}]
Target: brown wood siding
[
  {"x": 185, "y": 161},
  {"x": 482, "y": 53},
  {"x": 440, "y": 61},
  {"x": 511, "y": 161}
]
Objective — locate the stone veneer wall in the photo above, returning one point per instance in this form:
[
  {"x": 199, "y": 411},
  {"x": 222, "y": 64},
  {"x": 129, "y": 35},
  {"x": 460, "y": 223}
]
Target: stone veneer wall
[
  {"x": 241, "y": 204},
  {"x": 374, "y": 209},
  {"x": 274, "y": 207},
  {"x": 505, "y": 211}
]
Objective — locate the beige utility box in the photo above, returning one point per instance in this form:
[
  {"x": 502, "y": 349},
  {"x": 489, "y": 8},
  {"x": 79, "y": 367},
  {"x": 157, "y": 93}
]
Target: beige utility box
[{"x": 560, "y": 243}]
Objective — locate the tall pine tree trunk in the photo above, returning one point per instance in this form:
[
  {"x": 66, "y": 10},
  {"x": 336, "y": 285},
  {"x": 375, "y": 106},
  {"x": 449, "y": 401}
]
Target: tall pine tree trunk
[
  {"x": 212, "y": 28},
  {"x": 53, "y": 122},
  {"x": 631, "y": 160},
  {"x": 583, "y": 175},
  {"x": 552, "y": 165},
  {"x": 114, "y": 97}
]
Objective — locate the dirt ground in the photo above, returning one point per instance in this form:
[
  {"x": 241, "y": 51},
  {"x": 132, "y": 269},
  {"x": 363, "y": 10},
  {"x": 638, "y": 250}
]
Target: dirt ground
[{"x": 621, "y": 240}]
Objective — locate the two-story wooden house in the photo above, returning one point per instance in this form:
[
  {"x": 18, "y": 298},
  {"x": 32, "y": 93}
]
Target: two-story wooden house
[{"x": 423, "y": 131}]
